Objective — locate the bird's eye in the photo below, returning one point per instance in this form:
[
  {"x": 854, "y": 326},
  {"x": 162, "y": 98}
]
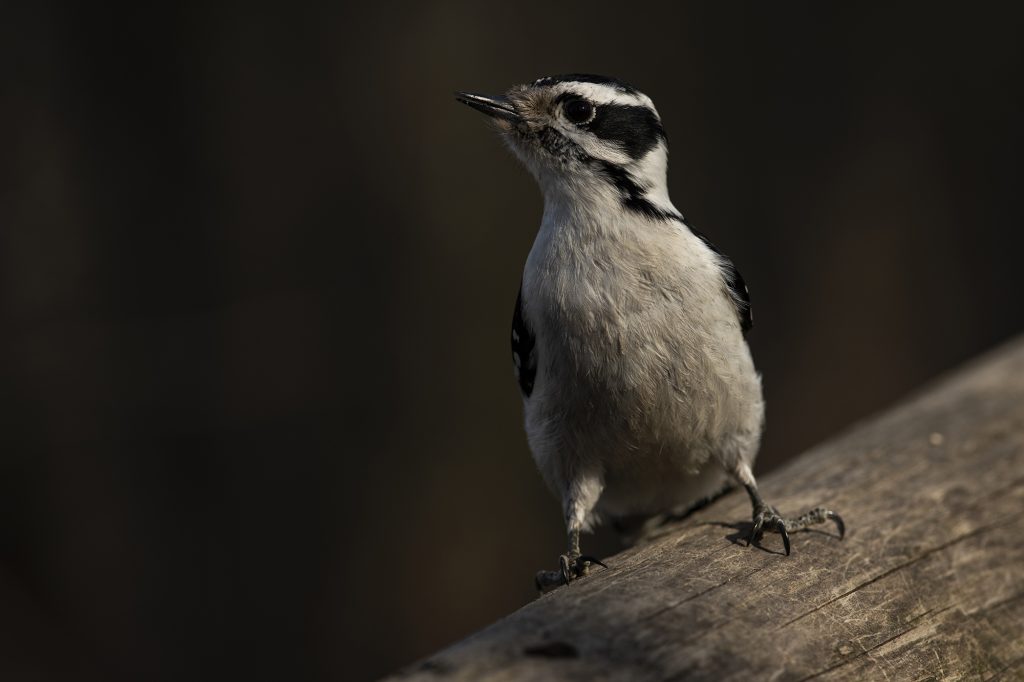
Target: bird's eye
[{"x": 578, "y": 110}]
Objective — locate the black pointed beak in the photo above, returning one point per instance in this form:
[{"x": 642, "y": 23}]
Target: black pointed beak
[{"x": 498, "y": 107}]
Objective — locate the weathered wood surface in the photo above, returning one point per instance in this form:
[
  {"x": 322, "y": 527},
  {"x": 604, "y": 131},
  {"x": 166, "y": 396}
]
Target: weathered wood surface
[{"x": 927, "y": 585}]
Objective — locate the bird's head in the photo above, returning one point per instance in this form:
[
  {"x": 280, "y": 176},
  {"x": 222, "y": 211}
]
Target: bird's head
[{"x": 585, "y": 136}]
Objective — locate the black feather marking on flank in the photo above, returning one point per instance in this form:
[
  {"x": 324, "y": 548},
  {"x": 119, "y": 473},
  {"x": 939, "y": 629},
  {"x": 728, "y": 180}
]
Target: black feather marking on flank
[
  {"x": 733, "y": 280},
  {"x": 632, "y": 193},
  {"x": 522, "y": 348},
  {"x": 587, "y": 78}
]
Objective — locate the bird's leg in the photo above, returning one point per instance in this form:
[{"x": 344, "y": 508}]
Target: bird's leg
[
  {"x": 572, "y": 565},
  {"x": 767, "y": 517},
  {"x": 579, "y": 502}
]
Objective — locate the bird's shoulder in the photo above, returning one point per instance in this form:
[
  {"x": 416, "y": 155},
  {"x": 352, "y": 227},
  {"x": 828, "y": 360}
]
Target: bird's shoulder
[{"x": 734, "y": 281}]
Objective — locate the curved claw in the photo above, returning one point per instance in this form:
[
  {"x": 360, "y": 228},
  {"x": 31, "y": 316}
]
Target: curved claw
[
  {"x": 839, "y": 522},
  {"x": 564, "y": 563},
  {"x": 755, "y": 532},
  {"x": 769, "y": 517},
  {"x": 569, "y": 569},
  {"x": 784, "y": 533},
  {"x": 765, "y": 516}
]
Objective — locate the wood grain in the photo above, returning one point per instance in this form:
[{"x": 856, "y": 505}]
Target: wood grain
[{"x": 927, "y": 585}]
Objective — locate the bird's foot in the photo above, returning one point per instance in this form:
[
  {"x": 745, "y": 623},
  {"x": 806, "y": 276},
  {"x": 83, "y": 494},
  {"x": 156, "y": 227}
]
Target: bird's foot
[
  {"x": 570, "y": 568},
  {"x": 768, "y": 518}
]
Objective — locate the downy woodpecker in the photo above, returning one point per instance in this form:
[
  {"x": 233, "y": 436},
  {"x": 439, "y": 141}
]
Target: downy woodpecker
[{"x": 639, "y": 390}]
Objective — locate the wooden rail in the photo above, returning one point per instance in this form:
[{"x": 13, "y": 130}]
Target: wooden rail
[{"x": 928, "y": 584}]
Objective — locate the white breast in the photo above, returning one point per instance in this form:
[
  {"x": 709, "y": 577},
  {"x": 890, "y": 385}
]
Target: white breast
[{"x": 640, "y": 353}]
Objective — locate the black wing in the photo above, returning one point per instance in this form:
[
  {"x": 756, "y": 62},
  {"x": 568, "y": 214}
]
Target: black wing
[
  {"x": 734, "y": 280},
  {"x": 522, "y": 349}
]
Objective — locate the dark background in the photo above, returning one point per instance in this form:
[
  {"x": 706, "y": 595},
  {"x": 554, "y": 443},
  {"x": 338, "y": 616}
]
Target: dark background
[{"x": 257, "y": 270}]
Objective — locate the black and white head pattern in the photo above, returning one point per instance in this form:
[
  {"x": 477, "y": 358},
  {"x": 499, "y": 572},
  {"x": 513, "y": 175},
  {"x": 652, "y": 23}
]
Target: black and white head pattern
[
  {"x": 607, "y": 119},
  {"x": 581, "y": 127},
  {"x": 577, "y": 126}
]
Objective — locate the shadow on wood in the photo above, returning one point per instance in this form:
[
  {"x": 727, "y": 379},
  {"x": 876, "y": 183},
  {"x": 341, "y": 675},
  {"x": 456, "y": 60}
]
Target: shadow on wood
[{"x": 929, "y": 582}]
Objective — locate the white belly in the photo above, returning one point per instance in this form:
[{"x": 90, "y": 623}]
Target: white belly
[{"x": 643, "y": 375}]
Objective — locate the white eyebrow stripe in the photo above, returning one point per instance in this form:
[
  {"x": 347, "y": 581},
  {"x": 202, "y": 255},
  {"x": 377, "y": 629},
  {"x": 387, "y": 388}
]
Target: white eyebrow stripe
[{"x": 604, "y": 94}]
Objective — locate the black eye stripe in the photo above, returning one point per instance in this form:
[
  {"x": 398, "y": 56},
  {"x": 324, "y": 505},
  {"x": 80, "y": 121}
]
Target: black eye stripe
[{"x": 635, "y": 128}]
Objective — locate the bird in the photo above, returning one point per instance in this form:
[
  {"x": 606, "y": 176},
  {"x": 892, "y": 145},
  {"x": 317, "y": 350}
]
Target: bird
[{"x": 640, "y": 394}]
